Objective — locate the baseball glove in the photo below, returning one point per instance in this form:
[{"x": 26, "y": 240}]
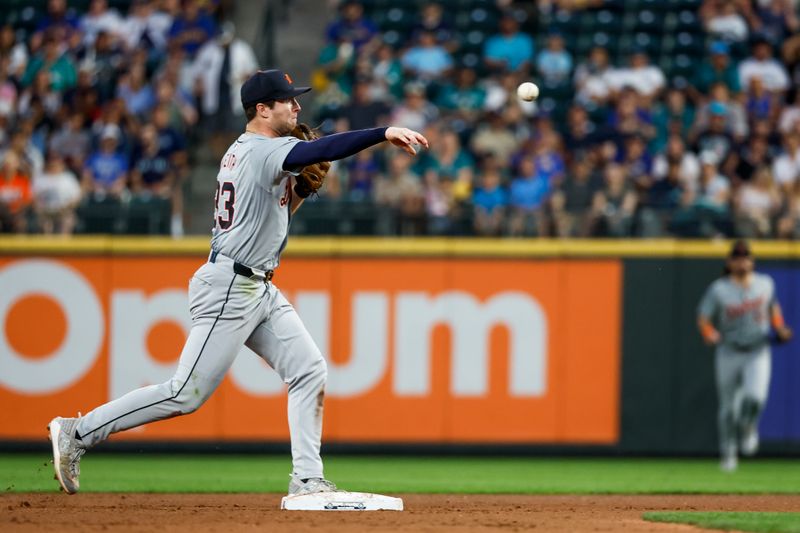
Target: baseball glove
[{"x": 311, "y": 177}]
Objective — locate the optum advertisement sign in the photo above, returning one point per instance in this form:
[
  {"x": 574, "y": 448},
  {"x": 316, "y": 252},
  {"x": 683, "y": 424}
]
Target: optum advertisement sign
[{"x": 419, "y": 350}]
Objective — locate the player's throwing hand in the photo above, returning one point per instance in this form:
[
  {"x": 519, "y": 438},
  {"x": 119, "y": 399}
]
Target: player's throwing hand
[{"x": 405, "y": 139}]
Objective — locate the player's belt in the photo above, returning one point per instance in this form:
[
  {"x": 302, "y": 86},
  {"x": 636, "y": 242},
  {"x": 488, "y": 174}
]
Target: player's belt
[{"x": 243, "y": 270}]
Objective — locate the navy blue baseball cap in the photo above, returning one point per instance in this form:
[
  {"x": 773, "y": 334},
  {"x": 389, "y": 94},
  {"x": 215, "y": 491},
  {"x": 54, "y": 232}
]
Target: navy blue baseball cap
[{"x": 269, "y": 85}]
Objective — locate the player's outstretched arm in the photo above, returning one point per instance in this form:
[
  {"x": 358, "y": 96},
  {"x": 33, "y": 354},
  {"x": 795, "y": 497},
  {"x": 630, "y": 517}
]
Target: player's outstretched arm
[{"x": 341, "y": 145}]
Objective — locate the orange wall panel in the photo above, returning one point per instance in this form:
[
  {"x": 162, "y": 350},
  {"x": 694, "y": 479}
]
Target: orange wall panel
[{"x": 419, "y": 350}]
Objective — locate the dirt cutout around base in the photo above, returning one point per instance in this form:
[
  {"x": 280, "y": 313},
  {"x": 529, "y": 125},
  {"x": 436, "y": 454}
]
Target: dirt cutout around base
[{"x": 234, "y": 513}]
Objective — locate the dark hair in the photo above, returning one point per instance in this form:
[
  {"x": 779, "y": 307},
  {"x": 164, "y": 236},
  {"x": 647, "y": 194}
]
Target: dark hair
[{"x": 250, "y": 111}]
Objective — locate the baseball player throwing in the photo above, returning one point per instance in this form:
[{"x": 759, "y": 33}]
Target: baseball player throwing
[
  {"x": 263, "y": 178},
  {"x": 736, "y": 315}
]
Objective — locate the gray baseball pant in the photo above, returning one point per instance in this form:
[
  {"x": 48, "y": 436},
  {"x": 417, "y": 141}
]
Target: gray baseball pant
[{"x": 229, "y": 310}]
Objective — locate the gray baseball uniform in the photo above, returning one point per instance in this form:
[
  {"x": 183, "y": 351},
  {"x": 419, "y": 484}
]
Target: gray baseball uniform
[
  {"x": 742, "y": 360},
  {"x": 233, "y": 303}
]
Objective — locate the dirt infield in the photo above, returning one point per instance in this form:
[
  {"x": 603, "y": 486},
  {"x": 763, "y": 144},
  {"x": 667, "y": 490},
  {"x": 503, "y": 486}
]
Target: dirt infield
[{"x": 232, "y": 513}]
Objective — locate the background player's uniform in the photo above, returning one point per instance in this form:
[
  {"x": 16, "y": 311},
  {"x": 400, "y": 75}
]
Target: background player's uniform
[
  {"x": 232, "y": 302},
  {"x": 743, "y": 359}
]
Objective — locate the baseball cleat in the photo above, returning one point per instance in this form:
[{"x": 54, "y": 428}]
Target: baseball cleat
[
  {"x": 309, "y": 486},
  {"x": 67, "y": 452},
  {"x": 729, "y": 464},
  {"x": 749, "y": 444}
]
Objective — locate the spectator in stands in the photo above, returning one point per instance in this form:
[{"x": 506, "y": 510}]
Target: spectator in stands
[
  {"x": 401, "y": 191},
  {"x": 676, "y": 153},
  {"x": 581, "y": 135},
  {"x": 786, "y": 167},
  {"x": 361, "y": 171},
  {"x": 592, "y": 78},
  {"x": 661, "y": 199},
  {"x": 31, "y": 160},
  {"x": 554, "y": 63},
  {"x": 387, "y": 75},
  {"x": 726, "y": 19},
  {"x": 182, "y": 113},
  {"x": 613, "y": 206},
  {"x": 365, "y": 112},
  {"x": 71, "y": 143},
  {"x": 106, "y": 171},
  {"x": 148, "y": 27},
  {"x": 573, "y": 199},
  {"x": 719, "y": 68},
  {"x": 447, "y": 158},
  {"x": 335, "y": 67},
  {"x": 39, "y": 100},
  {"x": 673, "y": 116},
  {"x": 776, "y": 20},
  {"x": 104, "y": 61},
  {"x": 528, "y": 196},
  {"x": 788, "y": 226},
  {"x": 703, "y": 209},
  {"x": 133, "y": 88},
  {"x": 84, "y": 98},
  {"x": 631, "y": 115},
  {"x": 510, "y": 50},
  {"x": 152, "y": 173},
  {"x": 748, "y": 158},
  {"x": 15, "y": 194},
  {"x": 415, "y": 111},
  {"x": 501, "y": 94},
  {"x": 15, "y": 52},
  {"x": 716, "y": 136},
  {"x": 637, "y": 161},
  {"x": 789, "y": 118},
  {"x": 713, "y": 190},
  {"x": 439, "y": 204},
  {"x": 57, "y": 21},
  {"x": 56, "y": 194},
  {"x": 720, "y": 100},
  {"x": 192, "y": 28},
  {"x": 761, "y": 104},
  {"x": 8, "y": 91},
  {"x": 432, "y": 19},
  {"x": 352, "y": 26},
  {"x": 756, "y": 204},
  {"x": 427, "y": 60},
  {"x": 490, "y": 201},
  {"x": 762, "y": 65},
  {"x": 171, "y": 142},
  {"x": 465, "y": 98},
  {"x": 100, "y": 18},
  {"x": 493, "y": 137},
  {"x": 221, "y": 67},
  {"x": 51, "y": 60},
  {"x": 646, "y": 79}
]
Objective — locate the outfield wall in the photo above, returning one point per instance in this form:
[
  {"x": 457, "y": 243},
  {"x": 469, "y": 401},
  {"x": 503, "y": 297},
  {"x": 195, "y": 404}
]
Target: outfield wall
[{"x": 432, "y": 341}]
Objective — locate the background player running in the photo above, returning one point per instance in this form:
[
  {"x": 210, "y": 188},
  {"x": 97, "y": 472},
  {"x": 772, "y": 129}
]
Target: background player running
[
  {"x": 736, "y": 315},
  {"x": 261, "y": 182}
]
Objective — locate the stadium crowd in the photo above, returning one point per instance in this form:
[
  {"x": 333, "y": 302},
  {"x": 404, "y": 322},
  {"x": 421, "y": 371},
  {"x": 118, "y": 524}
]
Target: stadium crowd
[
  {"x": 627, "y": 150},
  {"x": 99, "y": 110}
]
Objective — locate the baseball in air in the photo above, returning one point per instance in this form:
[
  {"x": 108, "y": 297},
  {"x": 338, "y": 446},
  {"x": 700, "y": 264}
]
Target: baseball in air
[{"x": 528, "y": 91}]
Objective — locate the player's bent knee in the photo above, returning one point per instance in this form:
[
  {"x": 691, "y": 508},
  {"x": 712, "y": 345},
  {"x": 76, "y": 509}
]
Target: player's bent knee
[
  {"x": 188, "y": 398},
  {"x": 189, "y": 403},
  {"x": 319, "y": 370}
]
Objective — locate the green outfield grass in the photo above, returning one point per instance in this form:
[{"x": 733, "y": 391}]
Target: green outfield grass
[
  {"x": 752, "y": 521},
  {"x": 269, "y": 473}
]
